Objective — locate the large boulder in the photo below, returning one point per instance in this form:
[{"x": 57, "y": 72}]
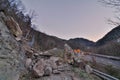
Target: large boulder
[
  {"x": 53, "y": 61},
  {"x": 38, "y": 68},
  {"x": 69, "y": 54},
  {"x": 28, "y": 63},
  {"x": 11, "y": 55},
  {"x": 14, "y": 28},
  {"x": 88, "y": 69}
]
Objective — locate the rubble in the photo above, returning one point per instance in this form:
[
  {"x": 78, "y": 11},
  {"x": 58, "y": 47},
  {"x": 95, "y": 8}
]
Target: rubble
[{"x": 43, "y": 64}]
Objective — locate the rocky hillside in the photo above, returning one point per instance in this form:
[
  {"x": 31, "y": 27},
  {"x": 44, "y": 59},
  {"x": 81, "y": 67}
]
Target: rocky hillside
[
  {"x": 81, "y": 43},
  {"x": 46, "y": 42},
  {"x": 12, "y": 55},
  {"x": 114, "y": 34},
  {"x": 109, "y": 44}
]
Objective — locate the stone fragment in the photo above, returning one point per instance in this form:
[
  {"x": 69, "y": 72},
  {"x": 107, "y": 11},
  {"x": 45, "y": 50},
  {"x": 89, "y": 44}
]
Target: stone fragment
[
  {"x": 56, "y": 72},
  {"x": 51, "y": 63},
  {"x": 88, "y": 69},
  {"x": 47, "y": 71},
  {"x": 28, "y": 63},
  {"x": 63, "y": 67},
  {"x": 38, "y": 68}
]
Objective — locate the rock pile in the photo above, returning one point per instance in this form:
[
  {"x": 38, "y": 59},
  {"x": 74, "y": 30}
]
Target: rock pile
[
  {"x": 45, "y": 64},
  {"x": 42, "y": 64}
]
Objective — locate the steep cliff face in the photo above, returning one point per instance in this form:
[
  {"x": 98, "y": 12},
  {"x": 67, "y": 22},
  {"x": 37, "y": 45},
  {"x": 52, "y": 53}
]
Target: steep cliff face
[{"x": 11, "y": 55}]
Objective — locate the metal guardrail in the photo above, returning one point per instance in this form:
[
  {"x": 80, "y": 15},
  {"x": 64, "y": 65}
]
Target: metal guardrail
[
  {"x": 104, "y": 75},
  {"x": 106, "y": 56}
]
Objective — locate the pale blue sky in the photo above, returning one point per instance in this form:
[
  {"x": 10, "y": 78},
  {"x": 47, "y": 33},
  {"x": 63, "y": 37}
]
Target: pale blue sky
[{"x": 71, "y": 18}]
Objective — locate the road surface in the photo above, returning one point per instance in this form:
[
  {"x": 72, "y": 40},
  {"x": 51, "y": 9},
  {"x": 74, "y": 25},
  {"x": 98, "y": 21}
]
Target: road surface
[{"x": 102, "y": 60}]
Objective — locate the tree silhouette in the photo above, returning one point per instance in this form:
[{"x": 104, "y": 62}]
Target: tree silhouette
[{"x": 116, "y": 5}]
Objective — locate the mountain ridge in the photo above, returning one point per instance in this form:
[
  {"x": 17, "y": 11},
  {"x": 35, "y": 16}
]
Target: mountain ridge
[
  {"x": 114, "y": 34},
  {"x": 49, "y": 41}
]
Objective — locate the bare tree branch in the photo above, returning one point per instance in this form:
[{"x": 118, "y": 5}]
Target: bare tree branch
[
  {"x": 113, "y": 22},
  {"x": 114, "y": 4}
]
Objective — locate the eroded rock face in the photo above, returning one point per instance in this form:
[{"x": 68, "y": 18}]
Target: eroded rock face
[{"x": 11, "y": 55}]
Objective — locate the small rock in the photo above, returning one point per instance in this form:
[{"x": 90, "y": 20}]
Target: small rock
[
  {"x": 29, "y": 54},
  {"x": 88, "y": 69},
  {"x": 67, "y": 77},
  {"x": 51, "y": 63},
  {"x": 82, "y": 65},
  {"x": 47, "y": 54},
  {"x": 28, "y": 63},
  {"x": 63, "y": 67},
  {"x": 48, "y": 71},
  {"x": 56, "y": 72},
  {"x": 59, "y": 62}
]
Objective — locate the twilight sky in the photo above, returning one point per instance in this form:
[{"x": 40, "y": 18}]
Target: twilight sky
[{"x": 71, "y": 18}]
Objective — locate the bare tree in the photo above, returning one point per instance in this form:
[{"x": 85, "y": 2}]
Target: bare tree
[
  {"x": 33, "y": 15},
  {"x": 113, "y": 4}
]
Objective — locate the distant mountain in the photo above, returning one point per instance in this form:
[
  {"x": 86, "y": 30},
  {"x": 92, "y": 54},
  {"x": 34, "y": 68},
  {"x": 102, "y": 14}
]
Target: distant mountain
[
  {"x": 114, "y": 34},
  {"x": 109, "y": 44},
  {"x": 43, "y": 41},
  {"x": 80, "y": 43}
]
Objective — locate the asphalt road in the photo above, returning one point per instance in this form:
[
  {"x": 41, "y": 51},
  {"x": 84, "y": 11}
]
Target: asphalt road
[{"x": 102, "y": 60}]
